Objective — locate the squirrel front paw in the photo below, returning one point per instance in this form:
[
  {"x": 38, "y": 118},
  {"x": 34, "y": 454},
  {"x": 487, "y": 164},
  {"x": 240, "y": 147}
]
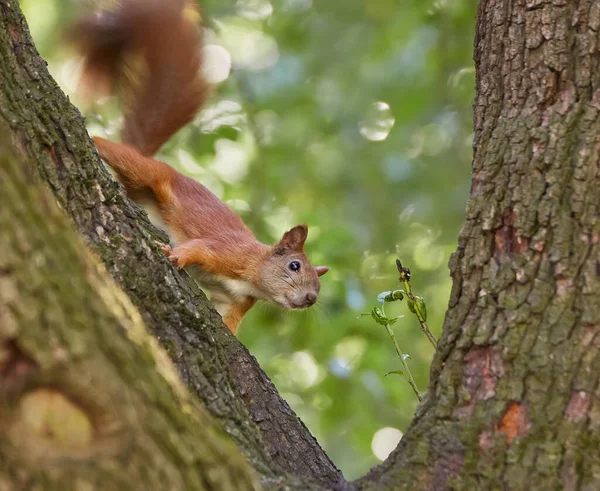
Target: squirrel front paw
[{"x": 173, "y": 258}]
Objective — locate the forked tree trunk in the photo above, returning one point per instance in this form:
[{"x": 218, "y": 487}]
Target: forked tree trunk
[{"x": 514, "y": 398}]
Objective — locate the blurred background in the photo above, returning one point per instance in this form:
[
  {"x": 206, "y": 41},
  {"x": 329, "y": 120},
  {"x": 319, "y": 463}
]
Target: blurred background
[{"x": 354, "y": 117}]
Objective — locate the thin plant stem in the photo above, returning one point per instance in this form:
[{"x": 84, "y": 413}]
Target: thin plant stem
[
  {"x": 409, "y": 376},
  {"x": 419, "y": 314}
]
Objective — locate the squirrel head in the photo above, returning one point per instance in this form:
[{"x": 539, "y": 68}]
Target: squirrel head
[{"x": 286, "y": 274}]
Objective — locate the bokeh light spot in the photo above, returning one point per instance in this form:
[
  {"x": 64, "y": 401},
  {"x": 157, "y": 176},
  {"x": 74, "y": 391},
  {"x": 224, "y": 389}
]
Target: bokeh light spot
[
  {"x": 377, "y": 122},
  {"x": 254, "y": 9},
  {"x": 231, "y": 160},
  {"x": 250, "y": 48},
  {"x": 216, "y": 63},
  {"x": 384, "y": 441}
]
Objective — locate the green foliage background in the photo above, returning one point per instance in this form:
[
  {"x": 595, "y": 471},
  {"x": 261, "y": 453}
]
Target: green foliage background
[{"x": 297, "y": 134}]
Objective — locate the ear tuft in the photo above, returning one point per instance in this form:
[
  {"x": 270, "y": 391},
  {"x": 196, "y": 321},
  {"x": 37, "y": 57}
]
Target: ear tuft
[
  {"x": 294, "y": 239},
  {"x": 321, "y": 270}
]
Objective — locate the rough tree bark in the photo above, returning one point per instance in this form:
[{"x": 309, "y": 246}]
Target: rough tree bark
[
  {"x": 87, "y": 400},
  {"x": 513, "y": 400}
]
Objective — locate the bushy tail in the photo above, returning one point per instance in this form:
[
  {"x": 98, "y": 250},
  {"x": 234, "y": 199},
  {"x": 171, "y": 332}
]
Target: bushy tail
[{"x": 150, "y": 52}]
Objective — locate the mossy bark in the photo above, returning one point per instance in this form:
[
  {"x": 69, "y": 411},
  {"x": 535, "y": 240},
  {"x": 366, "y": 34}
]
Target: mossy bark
[
  {"x": 211, "y": 362},
  {"x": 514, "y": 399},
  {"x": 87, "y": 398}
]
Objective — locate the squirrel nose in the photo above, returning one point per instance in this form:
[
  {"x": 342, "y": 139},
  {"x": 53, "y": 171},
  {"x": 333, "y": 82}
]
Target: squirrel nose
[{"x": 311, "y": 298}]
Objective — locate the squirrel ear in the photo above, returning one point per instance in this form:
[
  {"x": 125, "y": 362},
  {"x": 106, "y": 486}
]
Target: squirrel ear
[
  {"x": 294, "y": 239},
  {"x": 321, "y": 270}
]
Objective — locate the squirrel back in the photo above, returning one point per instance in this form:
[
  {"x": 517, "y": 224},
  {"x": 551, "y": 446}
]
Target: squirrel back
[{"x": 150, "y": 52}]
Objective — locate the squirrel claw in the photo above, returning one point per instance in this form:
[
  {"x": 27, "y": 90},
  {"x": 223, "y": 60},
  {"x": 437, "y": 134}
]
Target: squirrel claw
[
  {"x": 175, "y": 261},
  {"x": 173, "y": 258}
]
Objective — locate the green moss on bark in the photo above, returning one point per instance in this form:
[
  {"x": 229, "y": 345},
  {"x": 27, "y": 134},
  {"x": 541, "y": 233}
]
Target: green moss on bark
[{"x": 89, "y": 401}]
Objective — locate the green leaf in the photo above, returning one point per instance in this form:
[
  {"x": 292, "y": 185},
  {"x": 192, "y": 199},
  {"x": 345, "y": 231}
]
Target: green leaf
[
  {"x": 380, "y": 317},
  {"x": 420, "y": 304},
  {"x": 398, "y": 294},
  {"x": 390, "y": 296},
  {"x": 384, "y": 297},
  {"x": 397, "y": 372}
]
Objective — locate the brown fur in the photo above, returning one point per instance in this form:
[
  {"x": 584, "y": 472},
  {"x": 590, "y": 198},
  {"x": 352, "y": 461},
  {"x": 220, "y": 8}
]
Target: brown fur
[
  {"x": 150, "y": 51},
  {"x": 236, "y": 312},
  {"x": 208, "y": 236}
]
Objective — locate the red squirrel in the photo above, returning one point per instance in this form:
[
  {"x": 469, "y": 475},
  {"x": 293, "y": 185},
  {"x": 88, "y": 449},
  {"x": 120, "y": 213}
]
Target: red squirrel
[{"x": 151, "y": 50}]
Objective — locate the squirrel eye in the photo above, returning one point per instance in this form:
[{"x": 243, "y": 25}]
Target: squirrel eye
[{"x": 294, "y": 266}]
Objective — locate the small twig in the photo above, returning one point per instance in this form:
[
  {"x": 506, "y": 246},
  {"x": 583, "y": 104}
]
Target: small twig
[
  {"x": 415, "y": 304},
  {"x": 409, "y": 376}
]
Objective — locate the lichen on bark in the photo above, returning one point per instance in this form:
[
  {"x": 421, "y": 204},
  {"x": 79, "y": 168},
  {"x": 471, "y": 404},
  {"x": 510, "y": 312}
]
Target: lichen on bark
[{"x": 87, "y": 398}]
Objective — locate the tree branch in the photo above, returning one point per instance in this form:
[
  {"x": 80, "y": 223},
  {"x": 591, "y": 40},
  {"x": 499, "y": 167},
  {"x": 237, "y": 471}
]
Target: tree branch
[
  {"x": 81, "y": 382},
  {"x": 212, "y": 363}
]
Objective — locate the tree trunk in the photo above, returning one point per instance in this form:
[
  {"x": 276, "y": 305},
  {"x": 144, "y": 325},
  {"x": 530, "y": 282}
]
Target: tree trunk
[
  {"x": 514, "y": 400},
  {"x": 87, "y": 397}
]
